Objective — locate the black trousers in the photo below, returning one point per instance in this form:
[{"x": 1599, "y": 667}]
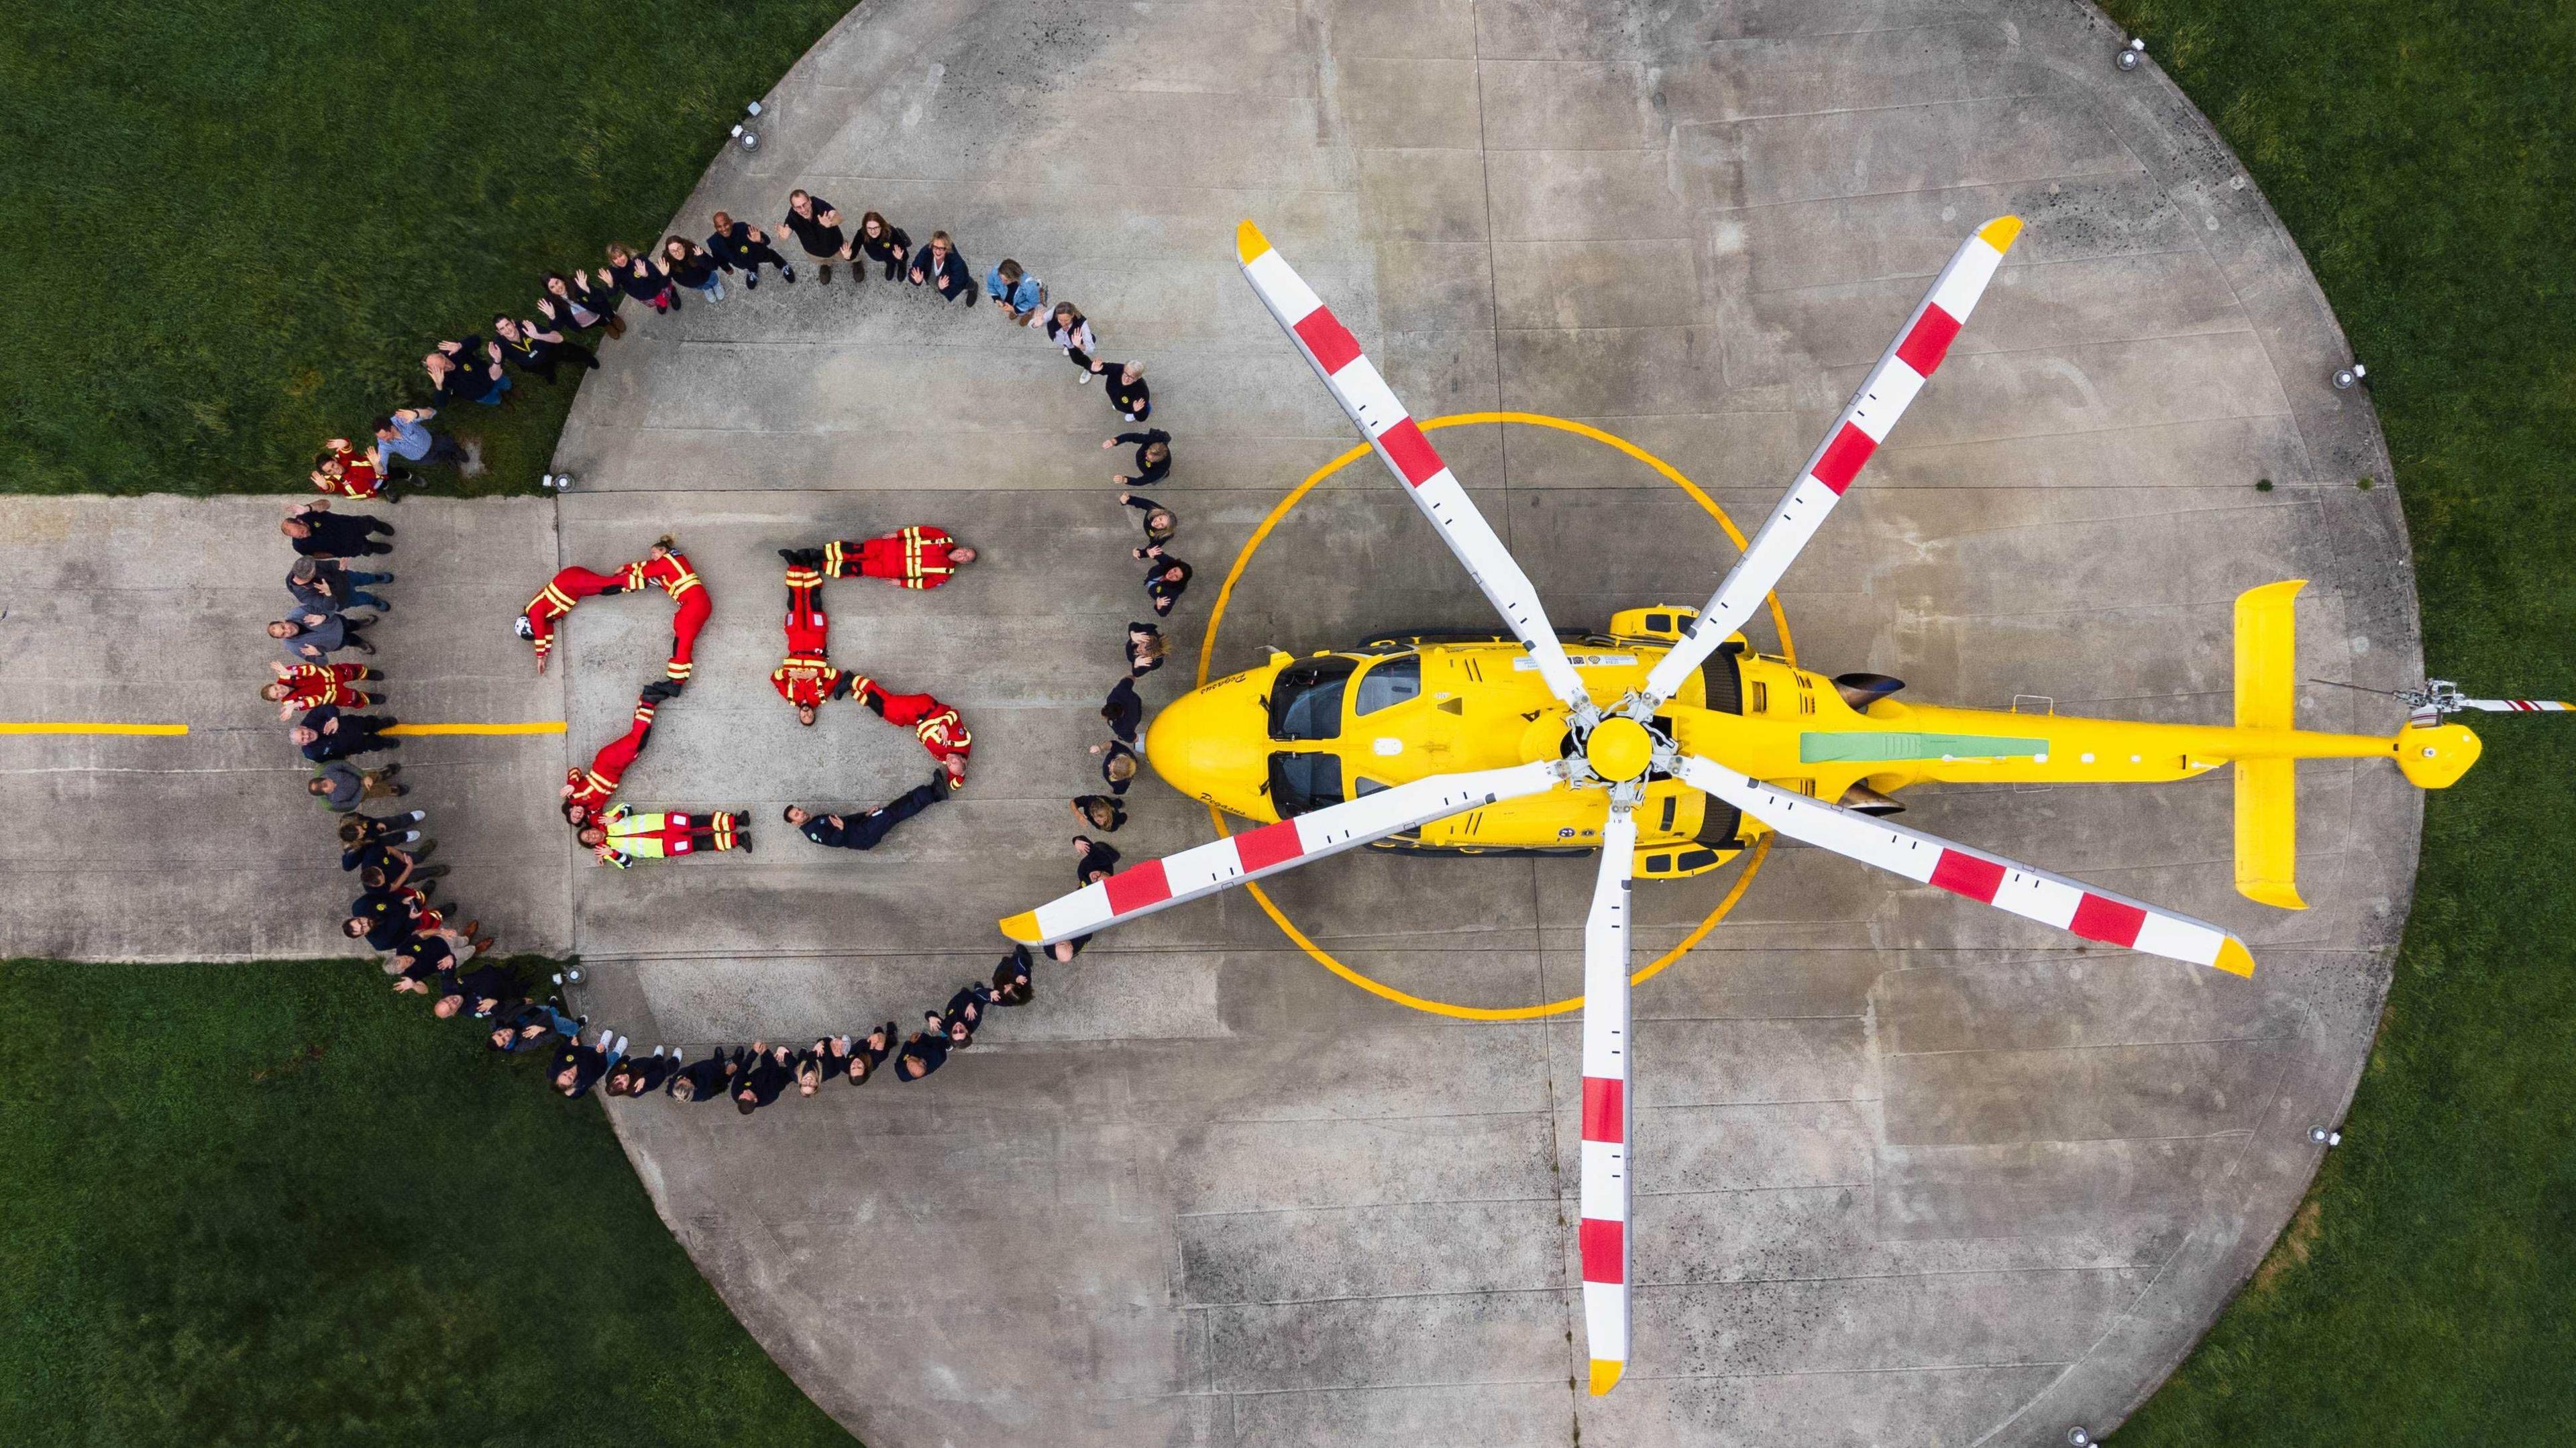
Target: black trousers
[
  {"x": 442, "y": 450},
  {"x": 864, "y": 831},
  {"x": 563, "y": 352},
  {"x": 753, "y": 256}
]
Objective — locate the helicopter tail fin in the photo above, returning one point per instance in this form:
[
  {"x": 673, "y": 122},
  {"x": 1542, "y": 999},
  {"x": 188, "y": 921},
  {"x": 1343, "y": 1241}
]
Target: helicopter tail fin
[{"x": 2267, "y": 790}]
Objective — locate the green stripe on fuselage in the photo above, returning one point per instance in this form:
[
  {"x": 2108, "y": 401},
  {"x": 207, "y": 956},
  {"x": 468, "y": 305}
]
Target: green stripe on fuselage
[{"x": 1872, "y": 747}]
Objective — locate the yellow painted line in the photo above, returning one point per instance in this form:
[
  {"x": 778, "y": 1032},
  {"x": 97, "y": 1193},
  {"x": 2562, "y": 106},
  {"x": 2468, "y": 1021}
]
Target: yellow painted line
[
  {"x": 1207, "y": 651},
  {"x": 539, "y": 726},
  {"x": 93, "y": 728}
]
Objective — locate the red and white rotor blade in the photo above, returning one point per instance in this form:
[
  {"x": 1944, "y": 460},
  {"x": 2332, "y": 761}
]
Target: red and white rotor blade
[
  {"x": 1372, "y": 406},
  {"x": 1601, "y": 1234},
  {"x": 2519, "y": 706},
  {"x": 2068, "y": 905},
  {"x": 1884, "y": 394},
  {"x": 1141, "y": 890}
]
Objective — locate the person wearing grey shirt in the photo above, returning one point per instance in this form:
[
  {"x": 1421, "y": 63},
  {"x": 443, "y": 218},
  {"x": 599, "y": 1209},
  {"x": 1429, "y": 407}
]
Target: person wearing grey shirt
[
  {"x": 311, "y": 638},
  {"x": 340, "y": 785}
]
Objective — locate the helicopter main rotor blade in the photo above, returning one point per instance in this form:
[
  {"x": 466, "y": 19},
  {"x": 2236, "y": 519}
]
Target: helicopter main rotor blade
[
  {"x": 1372, "y": 405},
  {"x": 1141, "y": 890},
  {"x": 2005, "y": 884},
  {"x": 1884, "y": 394},
  {"x": 1601, "y": 1235}
]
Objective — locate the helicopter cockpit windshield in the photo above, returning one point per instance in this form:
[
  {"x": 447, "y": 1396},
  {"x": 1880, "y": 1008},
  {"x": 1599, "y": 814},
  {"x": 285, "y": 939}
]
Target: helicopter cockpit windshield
[
  {"x": 1302, "y": 782},
  {"x": 1306, "y": 699}
]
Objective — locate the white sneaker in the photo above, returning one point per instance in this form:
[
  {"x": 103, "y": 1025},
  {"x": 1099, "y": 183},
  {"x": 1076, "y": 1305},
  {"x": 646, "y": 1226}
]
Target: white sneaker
[{"x": 1086, "y": 379}]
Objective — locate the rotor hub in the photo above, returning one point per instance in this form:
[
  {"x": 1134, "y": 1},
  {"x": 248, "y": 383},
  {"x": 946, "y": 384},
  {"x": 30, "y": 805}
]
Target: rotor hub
[{"x": 1619, "y": 749}]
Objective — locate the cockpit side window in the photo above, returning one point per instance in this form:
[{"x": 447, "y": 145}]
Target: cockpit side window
[
  {"x": 1303, "y": 782},
  {"x": 1389, "y": 683},
  {"x": 1306, "y": 699}
]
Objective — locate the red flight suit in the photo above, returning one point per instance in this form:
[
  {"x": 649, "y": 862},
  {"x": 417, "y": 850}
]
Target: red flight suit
[
  {"x": 806, "y": 677},
  {"x": 937, "y": 726},
  {"x": 913, "y": 557},
  {"x": 679, "y": 580},
  {"x": 593, "y": 786},
  {"x": 568, "y": 587},
  {"x": 310, "y": 686},
  {"x": 357, "y": 478}
]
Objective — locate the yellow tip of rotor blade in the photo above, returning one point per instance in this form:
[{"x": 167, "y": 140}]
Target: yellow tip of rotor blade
[
  {"x": 1248, "y": 242},
  {"x": 2001, "y": 232},
  {"x": 2233, "y": 957},
  {"x": 2279, "y": 894},
  {"x": 1605, "y": 1375},
  {"x": 1022, "y": 927}
]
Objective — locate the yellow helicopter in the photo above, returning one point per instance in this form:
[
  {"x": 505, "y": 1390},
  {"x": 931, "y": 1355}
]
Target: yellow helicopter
[
  {"x": 1666, "y": 746},
  {"x": 1294, "y": 735}
]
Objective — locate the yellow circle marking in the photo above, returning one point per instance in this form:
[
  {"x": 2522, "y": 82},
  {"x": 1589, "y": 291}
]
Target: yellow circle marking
[{"x": 1207, "y": 651}]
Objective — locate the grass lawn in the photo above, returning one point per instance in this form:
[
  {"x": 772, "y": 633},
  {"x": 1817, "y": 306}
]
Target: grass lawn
[
  {"x": 2420, "y": 151},
  {"x": 271, "y": 1205},
  {"x": 238, "y": 224}
]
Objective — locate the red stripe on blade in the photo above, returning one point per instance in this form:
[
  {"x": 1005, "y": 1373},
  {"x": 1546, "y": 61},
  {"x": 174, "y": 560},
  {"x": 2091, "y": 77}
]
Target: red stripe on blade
[
  {"x": 2108, "y": 921},
  {"x": 1604, "y": 1248},
  {"x": 1964, "y": 874},
  {"x": 1842, "y": 458},
  {"x": 1330, "y": 341},
  {"x": 1929, "y": 341},
  {"x": 1604, "y": 1114},
  {"x": 1411, "y": 452},
  {"x": 1137, "y": 888},
  {"x": 1267, "y": 846}
]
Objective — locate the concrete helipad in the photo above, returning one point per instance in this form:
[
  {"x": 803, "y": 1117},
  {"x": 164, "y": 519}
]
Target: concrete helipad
[{"x": 1909, "y": 1171}]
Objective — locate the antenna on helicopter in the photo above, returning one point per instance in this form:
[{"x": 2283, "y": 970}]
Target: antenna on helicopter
[{"x": 2438, "y": 699}]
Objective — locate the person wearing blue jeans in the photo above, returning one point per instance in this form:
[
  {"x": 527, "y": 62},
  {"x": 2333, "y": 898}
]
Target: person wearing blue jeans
[
  {"x": 576, "y": 1067},
  {"x": 324, "y": 586},
  {"x": 692, "y": 266},
  {"x": 530, "y": 1025},
  {"x": 360, "y": 598},
  {"x": 467, "y": 371}
]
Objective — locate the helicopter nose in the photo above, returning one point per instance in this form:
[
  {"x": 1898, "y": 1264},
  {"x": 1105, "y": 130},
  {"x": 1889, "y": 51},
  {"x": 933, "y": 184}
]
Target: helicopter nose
[{"x": 1209, "y": 746}]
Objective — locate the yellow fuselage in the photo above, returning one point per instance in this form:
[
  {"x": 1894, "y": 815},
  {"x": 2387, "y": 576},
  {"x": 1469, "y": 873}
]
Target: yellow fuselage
[{"x": 1482, "y": 705}]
